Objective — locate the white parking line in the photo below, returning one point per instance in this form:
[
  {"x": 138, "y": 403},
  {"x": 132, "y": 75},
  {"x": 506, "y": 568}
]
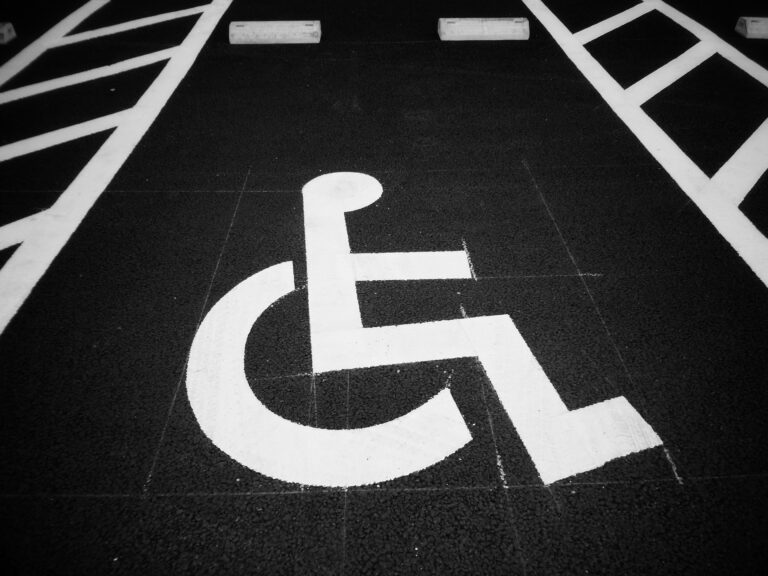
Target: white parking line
[
  {"x": 740, "y": 174},
  {"x": 710, "y": 196},
  {"x": 15, "y": 232},
  {"x": 55, "y": 137},
  {"x": 126, "y": 26},
  {"x": 34, "y": 50},
  {"x": 601, "y": 28},
  {"x": 32, "y": 258},
  {"x": 86, "y": 76},
  {"x": 646, "y": 88},
  {"x": 723, "y": 48}
]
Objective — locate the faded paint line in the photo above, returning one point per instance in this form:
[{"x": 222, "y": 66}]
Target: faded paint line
[{"x": 469, "y": 259}]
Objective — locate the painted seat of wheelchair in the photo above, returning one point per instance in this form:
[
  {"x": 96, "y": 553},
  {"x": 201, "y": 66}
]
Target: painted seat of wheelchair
[{"x": 560, "y": 442}]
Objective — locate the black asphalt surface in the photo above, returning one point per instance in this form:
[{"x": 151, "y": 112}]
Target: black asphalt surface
[{"x": 617, "y": 282}]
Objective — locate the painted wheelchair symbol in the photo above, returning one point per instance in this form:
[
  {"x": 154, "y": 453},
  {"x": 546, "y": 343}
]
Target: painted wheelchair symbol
[{"x": 561, "y": 442}]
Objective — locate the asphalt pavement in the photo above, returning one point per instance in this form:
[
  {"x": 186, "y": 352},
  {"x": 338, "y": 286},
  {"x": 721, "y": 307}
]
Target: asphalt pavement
[{"x": 616, "y": 280}]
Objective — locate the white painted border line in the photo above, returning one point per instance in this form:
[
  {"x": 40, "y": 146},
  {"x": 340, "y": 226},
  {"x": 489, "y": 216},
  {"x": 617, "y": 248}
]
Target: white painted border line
[
  {"x": 729, "y": 221},
  {"x": 609, "y": 24},
  {"x": 646, "y": 88},
  {"x": 742, "y": 171},
  {"x": 56, "y": 137},
  {"x": 126, "y": 26},
  {"x": 411, "y": 266},
  {"x": 86, "y": 76},
  {"x": 723, "y": 48},
  {"x": 30, "y": 260},
  {"x": 34, "y": 50},
  {"x": 15, "y": 232}
]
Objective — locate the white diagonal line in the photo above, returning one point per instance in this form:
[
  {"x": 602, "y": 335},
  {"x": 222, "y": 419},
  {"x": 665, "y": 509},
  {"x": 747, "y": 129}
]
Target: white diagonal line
[
  {"x": 18, "y": 231},
  {"x": 729, "y": 221},
  {"x": 749, "y": 66},
  {"x": 85, "y": 76},
  {"x": 740, "y": 174},
  {"x": 30, "y": 260},
  {"x": 31, "y": 52},
  {"x": 723, "y": 48},
  {"x": 126, "y": 26},
  {"x": 55, "y": 137},
  {"x": 595, "y": 31},
  {"x": 648, "y": 87}
]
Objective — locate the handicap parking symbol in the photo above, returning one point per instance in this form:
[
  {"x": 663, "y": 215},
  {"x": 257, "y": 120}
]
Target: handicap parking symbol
[{"x": 560, "y": 442}]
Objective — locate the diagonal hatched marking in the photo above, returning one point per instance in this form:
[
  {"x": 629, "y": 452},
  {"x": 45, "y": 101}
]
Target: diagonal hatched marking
[
  {"x": 15, "y": 232},
  {"x": 87, "y": 76},
  {"x": 718, "y": 197},
  {"x": 740, "y": 174},
  {"x": 62, "y": 135},
  {"x": 601, "y": 28},
  {"x": 126, "y": 26},
  {"x": 646, "y": 88},
  {"x": 43, "y": 235},
  {"x": 36, "y": 49}
]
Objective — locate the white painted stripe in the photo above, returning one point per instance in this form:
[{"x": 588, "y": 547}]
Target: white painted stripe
[
  {"x": 740, "y": 174},
  {"x": 729, "y": 221},
  {"x": 55, "y": 137},
  {"x": 747, "y": 65},
  {"x": 648, "y": 87},
  {"x": 126, "y": 26},
  {"x": 236, "y": 421},
  {"x": 30, "y": 260},
  {"x": 411, "y": 266},
  {"x": 16, "y": 232},
  {"x": 36, "y": 48},
  {"x": 609, "y": 24},
  {"x": 86, "y": 76},
  {"x": 723, "y": 48}
]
